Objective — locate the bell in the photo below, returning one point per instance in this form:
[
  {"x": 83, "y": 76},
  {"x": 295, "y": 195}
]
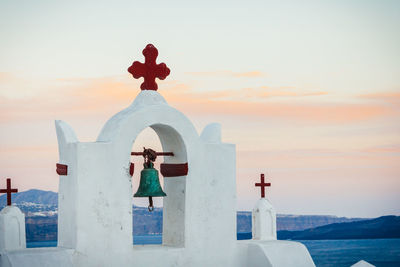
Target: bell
[{"x": 149, "y": 184}]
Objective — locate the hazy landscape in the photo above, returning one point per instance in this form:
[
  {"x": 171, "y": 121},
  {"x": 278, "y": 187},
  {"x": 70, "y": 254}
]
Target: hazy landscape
[{"x": 40, "y": 208}]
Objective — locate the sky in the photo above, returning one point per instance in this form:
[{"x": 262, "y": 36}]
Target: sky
[{"x": 309, "y": 91}]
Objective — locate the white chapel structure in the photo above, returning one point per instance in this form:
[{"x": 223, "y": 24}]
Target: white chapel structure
[{"x": 199, "y": 211}]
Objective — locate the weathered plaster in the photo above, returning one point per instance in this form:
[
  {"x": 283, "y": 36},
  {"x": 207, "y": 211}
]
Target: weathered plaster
[
  {"x": 12, "y": 228},
  {"x": 199, "y": 221}
]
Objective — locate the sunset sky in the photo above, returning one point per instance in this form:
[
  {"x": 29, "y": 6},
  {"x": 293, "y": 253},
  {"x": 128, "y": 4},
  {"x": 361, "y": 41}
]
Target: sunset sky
[{"x": 309, "y": 91}]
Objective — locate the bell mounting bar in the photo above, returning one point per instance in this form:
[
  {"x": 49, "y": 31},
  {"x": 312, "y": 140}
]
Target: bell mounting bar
[
  {"x": 150, "y": 155},
  {"x": 167, "y": 169},
  {"x": 158, "y": 154}
]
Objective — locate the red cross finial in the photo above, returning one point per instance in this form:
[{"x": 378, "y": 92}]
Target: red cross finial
[
  {"x": 8, "y": 190},
  {"x": 263, "y": 185},
  {"x": 149, "y": 70}
]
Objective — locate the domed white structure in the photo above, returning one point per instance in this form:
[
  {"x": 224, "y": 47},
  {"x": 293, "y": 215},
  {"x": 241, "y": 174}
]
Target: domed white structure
[{"x": 199, "y": 216}]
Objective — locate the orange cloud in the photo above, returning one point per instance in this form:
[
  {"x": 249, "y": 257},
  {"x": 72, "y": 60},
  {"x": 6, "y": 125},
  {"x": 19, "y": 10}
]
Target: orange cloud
[
  {"x": 384, "y": 149},
  {"x": 244, "y": 94},
  {"x": 392, "y": 98},
  {"x": 326, "y": 113},
  {"x": 250, "y": 74},
  {"x": 266, "y": 92},
  {"x": 382, "y": 95},
  {"x": 235, "y": 103},
  {"x": 5, "y": 76},
  {"x": 91, "y": 96}
]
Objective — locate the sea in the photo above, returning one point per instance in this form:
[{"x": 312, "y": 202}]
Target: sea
[{"x": 325, "y": 253}]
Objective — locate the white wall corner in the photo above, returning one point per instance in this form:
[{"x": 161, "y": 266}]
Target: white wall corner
[
  {"x": 65, "y": 135},
  {"x": 362, "y": 263},
  {"x": 211, "y": 133},
  {"x": 12, "y": 228},
  {"x": 278, "y": 253},
  {"x": 264, "y": 221}
]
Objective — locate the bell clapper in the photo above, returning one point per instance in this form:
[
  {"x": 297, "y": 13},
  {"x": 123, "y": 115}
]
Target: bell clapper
[
  {"x": 151, "y": 207},
  {"x": 149, "y": 157}
]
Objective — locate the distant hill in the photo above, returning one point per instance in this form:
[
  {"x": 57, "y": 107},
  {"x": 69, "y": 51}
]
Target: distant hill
[
  {"x": 292, "y": 222},
  {"x": 40, "y": 208},
  {"x": 49, "y": 202},
  {"x": 382, "y": 227},
  {"x": 302, "y": 222},
  {"x": 32, "y": 196}
]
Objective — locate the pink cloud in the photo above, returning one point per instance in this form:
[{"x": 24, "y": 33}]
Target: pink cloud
[
  {"x": 384, "y": 149},
  {"x": 392, "y": 98},
  {"x": 247, "y": 74},
  {"x": 382, "y": 95},
  {"x": 5, "y": 77},
  {"x": 90, "y": 96}
]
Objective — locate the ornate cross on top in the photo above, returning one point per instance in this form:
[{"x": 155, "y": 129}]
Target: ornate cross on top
[
  {"x": 149, "y": 70},
  {"x": 263, "y": 184},
  {"x": 8, "y": 190}
]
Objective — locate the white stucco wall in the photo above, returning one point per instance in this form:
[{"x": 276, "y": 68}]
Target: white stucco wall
[
  {"x": 362, "y": 263},
  {"x": 12, "y": 228},
  {"x": 103, "y": 193},
  {"x": 199, "y": 220},
  {"x": 278, "y": 253},
  {"x": 37, "y": 257},
  {"x": 263, "y": 220},
  {"x": 68, "y": 186}
]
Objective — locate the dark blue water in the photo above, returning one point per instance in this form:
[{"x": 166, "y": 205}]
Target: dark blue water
[
  {"x": 41, "y": 244},
  {"x": 147, "y": 239},
  {"x": 325, "y": 253},
  {"x": 338, "y": 253},
  {"x": 137, "y": 240}
]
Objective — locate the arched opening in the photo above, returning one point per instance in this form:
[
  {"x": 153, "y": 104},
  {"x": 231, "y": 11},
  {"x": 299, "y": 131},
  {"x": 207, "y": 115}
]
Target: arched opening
[
  {"x": 147, "y": 226},
  {"x": 166, "y": 223}
]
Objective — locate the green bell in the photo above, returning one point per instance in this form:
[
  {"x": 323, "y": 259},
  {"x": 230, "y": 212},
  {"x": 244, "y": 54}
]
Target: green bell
[{"x": 149, "y": 184}]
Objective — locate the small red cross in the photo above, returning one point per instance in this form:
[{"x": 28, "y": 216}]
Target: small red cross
[
  {"x": 149, "y": 70},
  {"x": 263, "y": 185},
  {"x": 9, "y": 190}
]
